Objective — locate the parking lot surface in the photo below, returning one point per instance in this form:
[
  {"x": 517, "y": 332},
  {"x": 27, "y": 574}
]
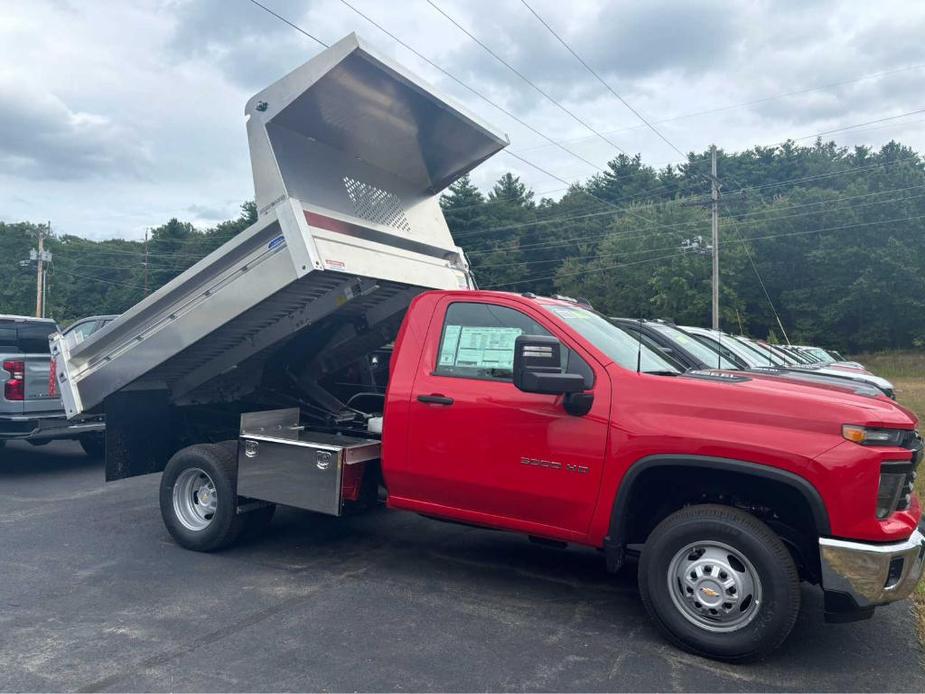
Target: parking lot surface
[{"x": 94, "y": 595}]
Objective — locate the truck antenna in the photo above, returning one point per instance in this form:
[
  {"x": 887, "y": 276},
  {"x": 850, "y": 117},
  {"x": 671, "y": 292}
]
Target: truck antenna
[{"x": 639, "y": 346}]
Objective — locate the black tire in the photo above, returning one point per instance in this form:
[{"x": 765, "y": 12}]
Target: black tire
[
  {"x": 225, "y": 524},
  {"x": 749, "y": 537},
  {"x": 94, "y": 445}
]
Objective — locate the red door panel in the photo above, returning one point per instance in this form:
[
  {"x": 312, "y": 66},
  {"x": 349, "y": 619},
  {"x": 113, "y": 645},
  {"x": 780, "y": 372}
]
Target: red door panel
[{"x": 482, "y": 447}]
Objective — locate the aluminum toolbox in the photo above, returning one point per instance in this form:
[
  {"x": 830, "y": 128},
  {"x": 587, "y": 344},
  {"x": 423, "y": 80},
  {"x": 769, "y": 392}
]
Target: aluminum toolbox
[
  {"x": 279, "y": 461},
  {"x": 349, "y": 154}
]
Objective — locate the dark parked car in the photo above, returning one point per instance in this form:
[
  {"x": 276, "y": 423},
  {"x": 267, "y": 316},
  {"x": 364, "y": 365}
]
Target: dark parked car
[{"x": 676, "y": 344}]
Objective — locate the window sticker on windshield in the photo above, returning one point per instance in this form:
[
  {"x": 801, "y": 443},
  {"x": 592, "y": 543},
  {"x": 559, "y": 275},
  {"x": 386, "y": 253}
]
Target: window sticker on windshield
[{"x": 478, "y": 347}]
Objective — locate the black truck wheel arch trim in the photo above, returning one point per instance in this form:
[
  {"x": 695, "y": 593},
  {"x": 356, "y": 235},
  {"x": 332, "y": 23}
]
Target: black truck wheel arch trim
[{"x": 801, "y": 485}]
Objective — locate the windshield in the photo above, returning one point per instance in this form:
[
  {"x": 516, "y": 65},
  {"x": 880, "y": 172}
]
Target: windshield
[
  {"x": 802, "y": 356},
  {"x": 612, "y": 341},
  {"x": 703, "y": 352},
  {"x": 766, "y": 356},
  {"x": 729, "y": 345},
  {"x": 781, "y": 353},
  {"x": 820, "y": 354}
]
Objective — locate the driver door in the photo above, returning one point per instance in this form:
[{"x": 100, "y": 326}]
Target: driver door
[{"x": 484, "y": 451}]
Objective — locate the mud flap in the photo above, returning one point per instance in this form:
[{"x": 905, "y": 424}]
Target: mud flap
[{"x": 138, "y": 433}]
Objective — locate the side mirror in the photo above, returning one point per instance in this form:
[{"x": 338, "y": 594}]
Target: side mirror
[{"x": 537, "y": 367}]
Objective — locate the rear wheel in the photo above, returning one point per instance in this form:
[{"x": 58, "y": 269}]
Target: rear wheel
[
  {"x": 198, "y": 498},
  {"x": 719, "y": 582},
  {"x": 199, "y": 501}
]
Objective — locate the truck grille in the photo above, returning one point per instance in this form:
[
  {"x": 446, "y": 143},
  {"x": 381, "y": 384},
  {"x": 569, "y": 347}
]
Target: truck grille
[{"x": 913, "y": 442}]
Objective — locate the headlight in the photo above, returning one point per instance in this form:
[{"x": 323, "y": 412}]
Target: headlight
[{"x": 868, "y": 436}]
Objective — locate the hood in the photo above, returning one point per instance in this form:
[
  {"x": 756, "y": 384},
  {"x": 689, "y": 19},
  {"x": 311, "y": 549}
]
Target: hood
[
  {"x": 855, "y": 375},
  {"x": 818, "y": 380},
  {"x": 815, "y": 404}
]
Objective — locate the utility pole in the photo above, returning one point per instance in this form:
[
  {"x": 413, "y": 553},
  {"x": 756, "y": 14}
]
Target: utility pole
[
  {"x": 715, "y": 228},
  {"x": 39, "y": 298},
  {"x": 146, "y": 262},
  {"x": 40, "y": 257}
]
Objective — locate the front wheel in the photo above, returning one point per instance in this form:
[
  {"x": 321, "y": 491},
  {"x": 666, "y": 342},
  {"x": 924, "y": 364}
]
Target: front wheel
[{"x": 719, "y": 583}]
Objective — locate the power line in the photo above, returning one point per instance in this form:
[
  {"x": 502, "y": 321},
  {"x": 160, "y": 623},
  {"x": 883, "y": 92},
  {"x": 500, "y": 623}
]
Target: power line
[
  {"x": 742, "y": 190},
  {"x": 96, "y": 279},
  {"x": 592, "y": 270},
  {"x": 675, "y": 227},
  {"x": 771, "y": 215},
  {"x": 500, "y": 108},
  {"x": 525, "y": 78},
  {"x": 692, "y": 165},
  {"x": 286, "y": 21},
  {"x": 492, "y": 103},
  {"x": 579, "y": 189},
  {"x": 477, "y": 93},
  {"x": 684, "y": 251},
  {"x": 764, "y": 289},
  {"x": 768, "y": 211},
  {"x": 753, "y": 102},
  {"x": 601, "y": 79}
]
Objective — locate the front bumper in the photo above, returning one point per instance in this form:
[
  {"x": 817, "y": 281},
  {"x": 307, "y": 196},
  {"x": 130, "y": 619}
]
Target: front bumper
[{"x": 868, "y": 574}]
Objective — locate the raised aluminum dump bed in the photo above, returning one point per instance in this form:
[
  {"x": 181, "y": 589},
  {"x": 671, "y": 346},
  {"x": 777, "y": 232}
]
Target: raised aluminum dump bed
[{"x": 349, "y": 152}]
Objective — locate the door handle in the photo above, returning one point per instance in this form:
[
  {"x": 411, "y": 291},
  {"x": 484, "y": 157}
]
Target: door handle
[{"x": 435, "y": 399}]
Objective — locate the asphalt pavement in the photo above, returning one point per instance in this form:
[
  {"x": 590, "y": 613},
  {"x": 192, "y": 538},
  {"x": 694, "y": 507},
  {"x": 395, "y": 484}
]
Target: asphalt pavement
[{"x": 94, "y": 596}]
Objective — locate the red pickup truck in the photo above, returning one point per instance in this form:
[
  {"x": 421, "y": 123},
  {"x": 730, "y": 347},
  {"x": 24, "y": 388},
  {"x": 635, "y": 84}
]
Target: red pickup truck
[{"x": 538, "y": 416}]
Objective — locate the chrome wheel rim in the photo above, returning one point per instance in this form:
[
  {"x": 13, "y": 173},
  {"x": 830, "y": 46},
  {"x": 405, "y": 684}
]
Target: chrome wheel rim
[
  {"x": 194, "y": 499},
  {"x": 714, "y": 586}
]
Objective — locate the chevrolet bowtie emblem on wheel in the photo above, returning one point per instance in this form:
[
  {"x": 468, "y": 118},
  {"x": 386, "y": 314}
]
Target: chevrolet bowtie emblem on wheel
[{"x": 709, "y": 592}]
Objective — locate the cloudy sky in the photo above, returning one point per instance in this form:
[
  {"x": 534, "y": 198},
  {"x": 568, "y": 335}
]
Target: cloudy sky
[{"x": 115, "y": 116}]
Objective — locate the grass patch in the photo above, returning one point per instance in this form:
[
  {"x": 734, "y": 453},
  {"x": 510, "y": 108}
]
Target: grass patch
[{"x": 907, "y": 372}]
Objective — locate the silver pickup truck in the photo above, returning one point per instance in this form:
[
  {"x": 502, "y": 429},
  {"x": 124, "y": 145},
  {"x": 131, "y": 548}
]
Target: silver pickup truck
[{"x": 30, "y": 408}]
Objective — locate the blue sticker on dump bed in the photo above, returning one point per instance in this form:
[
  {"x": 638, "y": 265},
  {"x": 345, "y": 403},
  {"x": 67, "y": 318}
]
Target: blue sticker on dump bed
[{"x": 276, "y": 243}]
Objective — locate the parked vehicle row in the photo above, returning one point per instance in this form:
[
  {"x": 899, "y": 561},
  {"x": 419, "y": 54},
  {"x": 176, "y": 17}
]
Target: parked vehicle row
[
  {"x": 727, "y": 471},
  {"x": 690, "y": 348}
]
